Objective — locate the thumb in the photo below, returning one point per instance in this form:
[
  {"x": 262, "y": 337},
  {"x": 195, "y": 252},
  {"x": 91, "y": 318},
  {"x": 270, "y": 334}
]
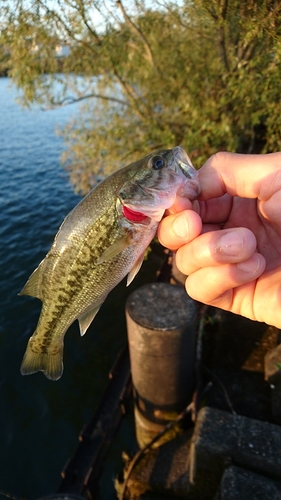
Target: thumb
[{"x": 246, "y": 176}]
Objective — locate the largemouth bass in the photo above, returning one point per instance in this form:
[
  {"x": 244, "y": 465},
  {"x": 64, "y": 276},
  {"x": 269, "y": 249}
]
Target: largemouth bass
[{"x": 102, "y": 240}]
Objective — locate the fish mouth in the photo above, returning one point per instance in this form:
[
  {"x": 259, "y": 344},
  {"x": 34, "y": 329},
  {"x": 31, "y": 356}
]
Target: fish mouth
[
  {"x": 183, "y": 166},
  {"x": 184, "y": 163}
]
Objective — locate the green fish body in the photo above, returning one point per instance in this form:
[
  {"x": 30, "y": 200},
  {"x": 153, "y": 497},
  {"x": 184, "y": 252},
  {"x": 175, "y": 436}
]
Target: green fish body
[{"x": 102, "y": 240}]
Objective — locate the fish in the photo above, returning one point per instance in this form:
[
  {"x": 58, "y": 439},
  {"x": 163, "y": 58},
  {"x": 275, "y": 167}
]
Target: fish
[{"x": 102, "y": 240}]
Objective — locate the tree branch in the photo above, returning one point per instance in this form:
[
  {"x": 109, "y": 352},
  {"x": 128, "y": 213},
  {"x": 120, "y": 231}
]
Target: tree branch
[
  {"x": 138, "y": 32},
  {"x": 82, "y": 12},
  {"x": 68, "y": 30},
  {"x": 224, "y": 6},
  {"x": 72, "y": 100},
  {"x": 221, "y": 33},
  {"x": 219, "y": 18},
  {"x": 222, "y": 46},
  {"x": 129, "y": 92}
]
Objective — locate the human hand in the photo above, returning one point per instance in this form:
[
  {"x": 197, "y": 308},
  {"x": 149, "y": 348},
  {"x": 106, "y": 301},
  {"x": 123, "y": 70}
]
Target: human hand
[{"x": 229, "y": 241}]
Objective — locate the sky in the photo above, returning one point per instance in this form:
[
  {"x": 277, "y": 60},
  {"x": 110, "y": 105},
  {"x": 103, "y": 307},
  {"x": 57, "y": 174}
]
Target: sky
[{"x": 109, "y": 6}]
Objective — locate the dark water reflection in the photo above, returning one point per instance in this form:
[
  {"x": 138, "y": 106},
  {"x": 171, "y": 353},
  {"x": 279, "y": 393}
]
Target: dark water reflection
[{"x": 39, "y": 419}]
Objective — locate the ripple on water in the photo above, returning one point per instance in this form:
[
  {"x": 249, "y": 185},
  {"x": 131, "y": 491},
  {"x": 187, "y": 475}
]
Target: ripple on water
[
  {"x": 40, "y": 419},
  {"x": 35, "y": 196}
]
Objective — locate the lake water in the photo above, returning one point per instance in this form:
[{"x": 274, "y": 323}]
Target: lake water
[{"x": 40, "y": 419}]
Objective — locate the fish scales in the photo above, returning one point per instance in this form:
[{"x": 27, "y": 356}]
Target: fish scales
[
  {"x": 98, "y": 244},
  {"x": 67, "y": 288}
]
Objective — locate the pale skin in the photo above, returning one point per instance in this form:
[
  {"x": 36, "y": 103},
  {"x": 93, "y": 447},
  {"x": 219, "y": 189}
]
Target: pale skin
[{"x": 229, "y": 241}]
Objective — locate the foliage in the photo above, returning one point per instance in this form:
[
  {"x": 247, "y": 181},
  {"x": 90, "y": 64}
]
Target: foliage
[{"x": 203, "y": 74}]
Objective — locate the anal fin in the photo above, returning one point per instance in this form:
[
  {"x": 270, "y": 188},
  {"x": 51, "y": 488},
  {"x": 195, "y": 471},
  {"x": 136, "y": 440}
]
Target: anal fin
[
  {"x": 33, "y": 286},
  {"x": 86, "y": 319},
  {"x": 135, "y": 269}
]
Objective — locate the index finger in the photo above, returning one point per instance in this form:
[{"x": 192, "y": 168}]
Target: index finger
[{"x": 246, "y": 176}]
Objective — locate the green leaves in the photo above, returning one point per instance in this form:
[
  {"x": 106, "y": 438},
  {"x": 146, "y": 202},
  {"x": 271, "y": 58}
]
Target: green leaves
[{"x": 206, "y": 75}]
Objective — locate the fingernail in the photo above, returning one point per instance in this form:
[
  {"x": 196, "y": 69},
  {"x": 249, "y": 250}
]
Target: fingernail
[
  {"x": 250, "y": 265},
  {"x": 181, "y": 226},
  {"x": 231, "y": 243}
]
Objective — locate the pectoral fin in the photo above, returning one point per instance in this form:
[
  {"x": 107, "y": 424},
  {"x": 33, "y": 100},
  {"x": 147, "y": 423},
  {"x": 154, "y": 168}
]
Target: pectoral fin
[
  {"x": 33, "y": 286},
  {"x": 114, "y": 249},
  {"x": 86, "y": 319},
  {"x": 135, "y": 269}
]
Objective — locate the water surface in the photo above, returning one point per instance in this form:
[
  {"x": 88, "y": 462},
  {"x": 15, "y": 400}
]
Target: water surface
[{"x": 40, "y": 419}]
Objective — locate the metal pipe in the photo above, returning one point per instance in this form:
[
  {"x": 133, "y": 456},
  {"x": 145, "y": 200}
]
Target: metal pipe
[{"x": 161, "y": 323}]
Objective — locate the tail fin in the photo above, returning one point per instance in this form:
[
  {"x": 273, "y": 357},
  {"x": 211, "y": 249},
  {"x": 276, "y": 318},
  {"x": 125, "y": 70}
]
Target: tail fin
[{"x": 49, "y": 361}]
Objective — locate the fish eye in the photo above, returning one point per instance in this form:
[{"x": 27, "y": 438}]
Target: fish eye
[{"x": 158, "y": 162}]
